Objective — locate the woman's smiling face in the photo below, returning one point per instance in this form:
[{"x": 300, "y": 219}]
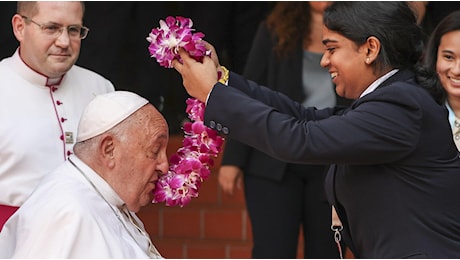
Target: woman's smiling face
[
  {"x": 448, "y": 63},
  {"x": 348, "y": 64}
]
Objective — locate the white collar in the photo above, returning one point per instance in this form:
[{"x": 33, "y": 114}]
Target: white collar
[
  {"x": 31, "y": 75},
  {"x": 377, "y": 82},
  {"x": 452, "y": 116},
  {"x": 100, "y": 184}
]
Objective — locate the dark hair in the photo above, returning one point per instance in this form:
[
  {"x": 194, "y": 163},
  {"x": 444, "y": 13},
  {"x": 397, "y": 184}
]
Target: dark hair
[
  {"x": 289, "y": 22},
  {"x": 393, "y": 23},
  {"x": 446, "y": 25}
]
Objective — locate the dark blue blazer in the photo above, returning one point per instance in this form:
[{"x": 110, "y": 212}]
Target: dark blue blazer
[{"x": 396, "y": 171}]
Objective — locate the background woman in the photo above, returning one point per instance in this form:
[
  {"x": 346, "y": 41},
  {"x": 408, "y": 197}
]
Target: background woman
[{"x": 442, "y": 57}]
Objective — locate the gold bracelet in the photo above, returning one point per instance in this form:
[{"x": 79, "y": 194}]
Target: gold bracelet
[{"x": 224, "y": 76}]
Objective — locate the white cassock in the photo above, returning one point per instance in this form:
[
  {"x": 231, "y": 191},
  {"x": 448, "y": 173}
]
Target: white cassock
[
  {"x": 38, "y": 122},
  {"x": 74, "y": 213}
]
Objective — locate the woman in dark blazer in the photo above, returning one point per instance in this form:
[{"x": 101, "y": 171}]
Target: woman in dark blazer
[
  {"x": 442, "y": 58},
  {"x": 396, "y": 170},
  {"x": 285, "y": 56}
]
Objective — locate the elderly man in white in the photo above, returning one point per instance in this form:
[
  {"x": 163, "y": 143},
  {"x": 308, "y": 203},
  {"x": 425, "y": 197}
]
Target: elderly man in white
[{"x": 86, "y": 207}]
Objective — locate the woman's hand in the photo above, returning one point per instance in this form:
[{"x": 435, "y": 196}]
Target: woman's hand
[
  {"x": 230, "y": 177},
  {"x": 198, "y": 78}
]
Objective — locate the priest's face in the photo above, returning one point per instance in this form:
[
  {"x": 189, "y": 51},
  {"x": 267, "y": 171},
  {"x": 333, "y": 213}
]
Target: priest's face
[
  {"x": 142, "y": 158},
  {"x": 47, "y": 45}
]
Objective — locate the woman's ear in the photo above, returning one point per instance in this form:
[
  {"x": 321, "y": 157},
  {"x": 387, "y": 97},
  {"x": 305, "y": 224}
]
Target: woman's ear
[{"x": 373, "y": 48}]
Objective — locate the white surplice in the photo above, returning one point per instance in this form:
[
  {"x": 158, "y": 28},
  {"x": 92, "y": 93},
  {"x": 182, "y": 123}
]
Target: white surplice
[{"x": 38, "y": 122}]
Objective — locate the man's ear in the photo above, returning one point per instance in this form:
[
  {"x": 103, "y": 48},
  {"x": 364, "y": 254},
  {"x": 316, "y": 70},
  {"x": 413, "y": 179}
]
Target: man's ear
[
  {"x": 18, "y": 24},
  {"x": 107, "y": 150}
]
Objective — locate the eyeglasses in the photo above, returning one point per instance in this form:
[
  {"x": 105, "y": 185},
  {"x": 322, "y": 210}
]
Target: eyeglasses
[{"x": 54, "y": 30}]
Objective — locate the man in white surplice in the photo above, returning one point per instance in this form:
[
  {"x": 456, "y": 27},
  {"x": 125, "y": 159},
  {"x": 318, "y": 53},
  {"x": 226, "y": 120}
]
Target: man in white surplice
[
  {"x": 86, "y": 207},
  {"x": 43, "y": 94}
]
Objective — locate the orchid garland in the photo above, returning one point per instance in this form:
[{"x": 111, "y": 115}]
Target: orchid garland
[
  {"x": 173, "y": 34},
  {"x": 189, "y": 166}
]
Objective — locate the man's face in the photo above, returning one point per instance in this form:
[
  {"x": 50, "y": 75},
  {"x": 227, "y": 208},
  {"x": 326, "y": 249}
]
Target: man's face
[
  {"x": 50, "y": 55},
  {"x": 142, "y": 158}
]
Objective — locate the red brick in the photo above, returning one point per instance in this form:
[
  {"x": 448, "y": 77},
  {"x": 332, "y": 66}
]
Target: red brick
[
  {"x": 181, "y": 223},
  {"x": 206, "y": 251},
  {"x": 240, "y": 252},
  {"x": 170, "y": 249},
  {"x": 224, "y": 224},
  {"x": 208, "y": 193},
  {"x": 237, "y": 199}
]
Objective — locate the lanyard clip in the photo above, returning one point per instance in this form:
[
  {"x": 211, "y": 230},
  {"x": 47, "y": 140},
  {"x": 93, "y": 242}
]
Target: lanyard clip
[{"x": 338, "y": 238}]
